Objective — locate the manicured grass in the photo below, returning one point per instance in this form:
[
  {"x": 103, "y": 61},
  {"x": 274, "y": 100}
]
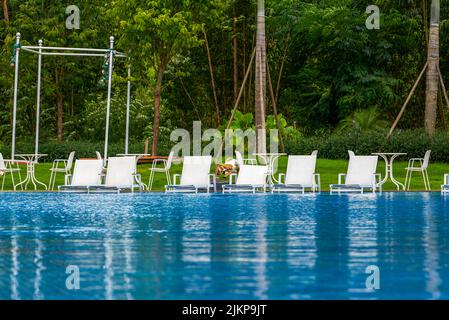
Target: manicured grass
[{"x": 329, "y": 170}]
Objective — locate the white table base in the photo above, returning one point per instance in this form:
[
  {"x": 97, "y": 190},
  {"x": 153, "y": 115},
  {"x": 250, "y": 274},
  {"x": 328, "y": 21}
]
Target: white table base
[
  {"x": 31, "y": 162},
  {"x": 389, "y": 171}
]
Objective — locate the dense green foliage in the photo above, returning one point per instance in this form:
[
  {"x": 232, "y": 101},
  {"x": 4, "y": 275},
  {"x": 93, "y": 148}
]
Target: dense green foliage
[
  {"x": 334, "y": 146},
  {"x": 326, "y": 68},
  {"x": 331, "y": 146}
]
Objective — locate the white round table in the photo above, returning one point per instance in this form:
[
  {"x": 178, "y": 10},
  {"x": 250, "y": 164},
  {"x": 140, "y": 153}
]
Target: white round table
[
  {"x": 270, "y": 159},
  {"x": 389, "y": 160},
  {"x": 31, "y": 160}
]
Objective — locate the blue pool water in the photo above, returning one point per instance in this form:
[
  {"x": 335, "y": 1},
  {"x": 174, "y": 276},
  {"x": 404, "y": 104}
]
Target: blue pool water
[{"x": 224, "y": 247}]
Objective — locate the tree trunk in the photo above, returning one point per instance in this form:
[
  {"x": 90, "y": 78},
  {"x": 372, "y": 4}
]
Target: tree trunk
[
  {"x": 5, "y": 10},
  {"x": 59, "y": 103},
  {"x": 157, "y": 104},
  {"x": 261, "y": 77},
  {"x": 281, "y": 69},
  {"x": 212, "y": 78},
  {"x": 235, "y": 61},
  {"x": 432, "y": 71},
  {"x": 60, "y": 113}
]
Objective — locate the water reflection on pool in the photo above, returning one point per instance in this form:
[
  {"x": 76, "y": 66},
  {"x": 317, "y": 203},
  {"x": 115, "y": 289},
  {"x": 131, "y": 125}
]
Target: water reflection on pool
[{"x": 224, "y": 247}]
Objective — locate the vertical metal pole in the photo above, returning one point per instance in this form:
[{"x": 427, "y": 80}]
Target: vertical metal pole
[
  {"x": 38, "y": 103},
  {"x": 128, "y": 106},
  {"x": 14, "y": 112},
  {"x": 108, "y": 108}
]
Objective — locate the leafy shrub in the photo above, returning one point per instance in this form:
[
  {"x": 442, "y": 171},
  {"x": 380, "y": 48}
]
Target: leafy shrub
[
  {"x": 335, "y": 145},
  {"x": 83, "y": 149}
]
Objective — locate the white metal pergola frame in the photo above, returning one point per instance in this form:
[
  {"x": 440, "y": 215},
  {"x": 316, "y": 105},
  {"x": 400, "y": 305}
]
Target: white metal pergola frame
[{"x": 40, "y": 50}]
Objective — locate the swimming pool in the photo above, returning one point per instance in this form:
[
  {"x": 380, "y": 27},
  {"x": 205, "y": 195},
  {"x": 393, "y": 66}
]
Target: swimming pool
[{"x": 224, "y": 247}]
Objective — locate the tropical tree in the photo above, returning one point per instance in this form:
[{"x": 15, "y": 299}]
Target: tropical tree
[
  {"x": 261, "y": 77},
  {"x": 364, "y": 120},
  {"x": 156, "y": 32}
]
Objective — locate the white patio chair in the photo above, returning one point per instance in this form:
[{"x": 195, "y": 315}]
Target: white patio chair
[
  {"x": 299, "y": 176},
  {"x": 166, "y": 169},
  {"x": 86, "y": 173},
  {"x": 121, "y": 175},
  {"x": 195, "y": 176},
  {"x": 57, "y": 168},
  {"x": 361, "y": 175},
  {"x": 7, "y": 167},
  {"x": 241, "y": 161},
  {"x": 418, "y": 165},
  {"x": 249, "y": 179}
]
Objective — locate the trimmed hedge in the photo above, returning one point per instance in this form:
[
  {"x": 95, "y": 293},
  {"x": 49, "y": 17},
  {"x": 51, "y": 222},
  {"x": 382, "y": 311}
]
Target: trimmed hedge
[
  {"x": 335, "y": 146},
  {"x": 83, "y": 149},
  {"x": 331, "y": 146}
]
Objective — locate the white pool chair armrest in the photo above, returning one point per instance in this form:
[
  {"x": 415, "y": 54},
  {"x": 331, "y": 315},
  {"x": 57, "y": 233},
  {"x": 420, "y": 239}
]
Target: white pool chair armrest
[
  {"x": 341, "y": 176},
  {"x": 68, "y": 179},
  {"x": 157, "y": 161},
  {"x": 280, "y": 178},
  {"x": 378, "y": 183},
  {"x": 231, "y": 178},
  {"x": 175, "y": 179},
  {"x": 317, "y": 180},
  {"x": 138, "y": 178},
  {"x": 213, "y": 179},
  {"x": 56, "y": 163},
  {"x": 446, "y": 179},
  {"x": 411, "y": 163}
]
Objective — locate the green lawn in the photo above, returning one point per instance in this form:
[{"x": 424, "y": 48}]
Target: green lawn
[{"x": 329, "y": 170}]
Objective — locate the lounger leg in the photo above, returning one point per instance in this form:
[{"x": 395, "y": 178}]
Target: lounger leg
[
  {"x": 52, "y": 175},
  {"x": 12, "y": 179},
  {"x": 20, "y": 176},
  {"x": 409, "y": 180},
  {"x": 424, "y": 179},
  {"x": 428, "y": 180},
  {"x": 406, "y": 179},
  {"x": 167, "y": 176},
  {"x": 52, "y": 180},
  {"x": 150, "y": 181}
]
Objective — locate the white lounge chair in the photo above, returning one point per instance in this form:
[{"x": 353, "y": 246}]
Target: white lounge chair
[
  {"x": 121, "y": 175},
  {"x": 195, "y": 176},
  {"x": 7, "y": 167},
  {"x": 445, "y": 186},
  {"x": 361, "y": 175},
  {"x": 300, "y": 175},
  {"x": 85, "y": 174},
  {"x": 249, "y": 179}
]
